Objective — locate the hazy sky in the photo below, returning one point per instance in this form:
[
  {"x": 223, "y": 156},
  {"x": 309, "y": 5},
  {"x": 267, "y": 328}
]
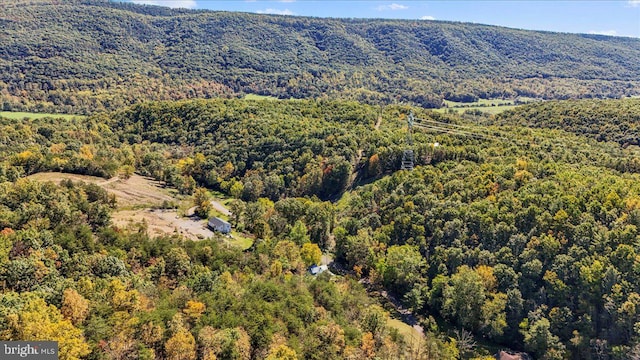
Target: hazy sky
[{"x": 613, "y": 17}]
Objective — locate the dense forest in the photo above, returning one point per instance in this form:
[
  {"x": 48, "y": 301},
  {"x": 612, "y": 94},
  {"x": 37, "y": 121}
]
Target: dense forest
[
  {"x": 86, "y": 55},
  {"x": 523, "y": 238},
  {"x": 110, "y": 293},
  {"x": 105, "y": 292},
  {"x": 603, "y": 120}
]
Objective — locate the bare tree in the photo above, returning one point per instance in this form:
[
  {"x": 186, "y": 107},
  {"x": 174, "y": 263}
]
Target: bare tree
[{"x": 465, "y": 341}]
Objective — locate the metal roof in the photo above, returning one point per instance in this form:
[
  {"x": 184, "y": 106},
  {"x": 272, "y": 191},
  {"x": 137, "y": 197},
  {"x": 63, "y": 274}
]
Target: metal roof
[{"x": 216, "y": 221}]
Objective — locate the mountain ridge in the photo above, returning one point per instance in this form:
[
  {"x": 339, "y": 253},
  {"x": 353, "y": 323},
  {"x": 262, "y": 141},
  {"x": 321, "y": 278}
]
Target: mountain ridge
[{"x": 51, "y": 58}]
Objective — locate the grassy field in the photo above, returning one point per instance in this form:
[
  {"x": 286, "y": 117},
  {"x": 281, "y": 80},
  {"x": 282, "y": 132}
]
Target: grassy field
[
  {"x": 240, "y": 240},
  {"x": 485, "y": 109},
  {"x": 137, "y": 192},
  {"x": 57, "y": 177},
  {"x": 259, "y": 97},
  {"x": 488, "y": 106},
  {"x": 410, "y": 334},
  {"x": 21, "y": 115}
]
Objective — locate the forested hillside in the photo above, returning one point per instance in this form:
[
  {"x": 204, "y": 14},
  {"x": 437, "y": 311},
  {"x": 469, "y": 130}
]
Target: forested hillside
[
  {"x": 105, "y": 292},
  {"x": 604, "y": 120},
  {"x": 523, "y": 238},
  {"x": 537, "y": 254},
  {"x": 87, "y": 55}
]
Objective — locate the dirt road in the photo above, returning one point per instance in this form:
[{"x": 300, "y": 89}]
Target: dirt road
[
  {"x": 216, "y": 205},
  {"x": 378, "y": 123}
]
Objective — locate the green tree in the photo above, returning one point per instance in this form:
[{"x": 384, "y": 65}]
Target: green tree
[
  {"x": 336, "y": 176},
  {"x": 236, "y": 189},
  {"x": 233, "y": 344},
  {"x": 289, "y": 255},
  {"x": 464, "y": 298},
  {"x": 178, "y": 263},
  {"x": 202, "y": 202},
  {"x": 126, "y": 171},
  {"x": 402, "y": 267},
  {"x": 310, "y": 254},
  {"x": 539, "y": 340},
  {"x": 494, "y": 318},
  {"x": 298, "y": 233},
  {"x": 325, "y": 341},
  {"x": 237, "y": 208}
]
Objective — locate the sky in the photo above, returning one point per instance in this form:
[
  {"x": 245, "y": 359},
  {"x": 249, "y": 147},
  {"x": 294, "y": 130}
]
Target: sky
[{"x": 612, "y": 17}]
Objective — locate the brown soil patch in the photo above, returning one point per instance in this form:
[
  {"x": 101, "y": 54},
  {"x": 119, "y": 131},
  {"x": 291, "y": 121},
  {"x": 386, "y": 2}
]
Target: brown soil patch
[
  {"x": 142, "y": 193},
  {"x": 134, "y": 192},
  {"x": 137, "y": 191},
  {"x": 161, "y": 222}
]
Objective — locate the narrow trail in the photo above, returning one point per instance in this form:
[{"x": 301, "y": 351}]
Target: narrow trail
[
  {"x": 354, "y": 172},
  {"x": 378, "y": 123},
  {"x": 405, "y": 314},
  {"x": 107, "y": 182},
  {"x": 358, "y": 158}
]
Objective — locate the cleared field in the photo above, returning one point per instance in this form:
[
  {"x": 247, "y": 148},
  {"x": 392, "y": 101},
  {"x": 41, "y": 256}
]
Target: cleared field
[
  {"x": 411, "y": 334},
  {"x": 160, "y": 222},
  {"x": 488, "y": 106},
  {"x": 138, "y": 195},
  {"x": 137, "y": 191},
  {"x": 21, "y": 115},
  {"x": 259, "y": 97},
  {"x": 485, "y": 109}
]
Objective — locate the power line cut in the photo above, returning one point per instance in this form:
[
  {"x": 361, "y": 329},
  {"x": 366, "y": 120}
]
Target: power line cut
[
  {"x": 452, "y": 131},
  {"x": 460, "y": 129},
  {"x": 407, "y": 155},
  {"x": 469, "y": 131}
]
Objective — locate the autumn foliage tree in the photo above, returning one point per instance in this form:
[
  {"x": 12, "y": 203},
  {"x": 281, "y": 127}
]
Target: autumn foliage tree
[
  {"x": 37, "y": 320},
  {"x": 181, "y": 346},
  {"x": 74, "y": 306}
]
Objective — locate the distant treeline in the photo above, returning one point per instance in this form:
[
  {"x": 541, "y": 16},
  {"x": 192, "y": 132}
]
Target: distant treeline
[{"x": 82, "y": 56}]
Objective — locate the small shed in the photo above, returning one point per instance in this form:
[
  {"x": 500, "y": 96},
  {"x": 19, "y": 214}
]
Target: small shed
[
  {"x": 316, "y": 270},
  {"x": 219, "y": 225}
]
